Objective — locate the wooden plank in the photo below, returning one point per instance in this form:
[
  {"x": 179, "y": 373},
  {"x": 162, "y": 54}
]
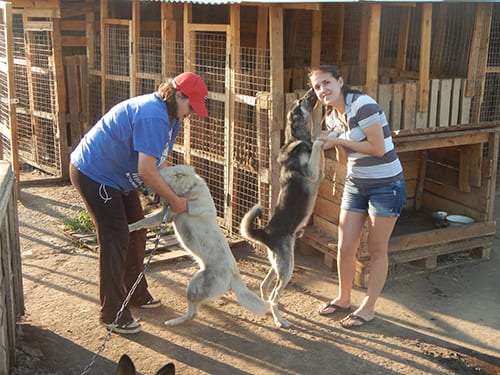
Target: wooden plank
[
  {"x": 425, "y": 57},
  {"x": 117, "y": 21},
  {"x": 464, "y": 171},
  {"x": 338, "y": 33},
  {"x": 421, "y": 180},
  {"x": 493, "y": 157},
  {"x": 404, "y": 31},
  {"x": 234, "y": 68},
  {"x": 440, "y": 236},
  {"x": 433, "y": 107},
  {"x": 11, "y": 93},
  {"x": 73, "y": 98},
  {"x": 73, "y": 41},
  {"x": 384, "y": 100},
  {"x": 421, "y": 120},
  {"x": 316, "y": 39},
  {"x": 465, "y": 105},
  {"x": 455, "y": 101},
  {"x": 90, "y": 36},
  {"x": 277, "y": 95},
  {"x": 373, "y": 50},
  {"x": 485, "y": 17},
  {"x": 397, "y": 105},
  {"x": 134, "y": 47},
  {"x": 430, "y": 143},
  {"x": 477, "y": 199},
  {"x": 411, "y": 169},
  {"x": 205, "y": 27},
  {"x": 168, "y": 34},
  {"x": 188, "y": 66},
  {"x": 104, "y": 52},
  {"x": 61, "y": 98},
  {"x": 410, "y": 105},
  {"x": 326, "y": 209},
  {"x": 476, "y": 164},
  {"x": 73, "y": 25},
  {"x": 326, "y": 226},
  {"x": 444, "y": 102}
]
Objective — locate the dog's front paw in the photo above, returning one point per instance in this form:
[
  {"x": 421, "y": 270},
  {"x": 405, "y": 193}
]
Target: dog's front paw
[
  {"x": 318, "y": 143},
  {"x": 282, "y": 323}
]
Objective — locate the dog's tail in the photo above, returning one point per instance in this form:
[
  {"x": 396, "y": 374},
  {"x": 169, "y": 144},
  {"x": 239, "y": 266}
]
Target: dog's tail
[
  {"x": 247, "y": 228},
  {"x": 247, "y": 298}
]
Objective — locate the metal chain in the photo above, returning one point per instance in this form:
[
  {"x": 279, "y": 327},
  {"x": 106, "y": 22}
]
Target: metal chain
[{"x": 119, "y": 314}]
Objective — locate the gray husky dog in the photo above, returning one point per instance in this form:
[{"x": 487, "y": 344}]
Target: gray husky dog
[
  {"x": 300, "y": 176},
  {"x": 200, "y": 235}
]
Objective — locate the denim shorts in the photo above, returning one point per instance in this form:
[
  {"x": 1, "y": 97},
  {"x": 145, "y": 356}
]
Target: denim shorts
[{"x": 376, "y": 200}]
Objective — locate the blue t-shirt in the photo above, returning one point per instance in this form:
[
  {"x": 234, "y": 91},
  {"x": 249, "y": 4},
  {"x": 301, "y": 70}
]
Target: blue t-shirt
[{"x": 109, "y": 152}]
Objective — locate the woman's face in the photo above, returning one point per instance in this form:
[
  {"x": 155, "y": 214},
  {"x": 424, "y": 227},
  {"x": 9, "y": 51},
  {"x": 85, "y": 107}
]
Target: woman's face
[
  {"x": 327, "y": 87},
  {"x": 183, "y": 107}
]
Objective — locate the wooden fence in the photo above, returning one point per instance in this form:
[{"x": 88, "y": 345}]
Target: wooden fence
[{"x": 11, "y": 287}]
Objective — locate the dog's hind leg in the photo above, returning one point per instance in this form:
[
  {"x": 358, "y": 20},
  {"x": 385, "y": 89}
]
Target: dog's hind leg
[
  {"x": 284, "y": 270},
  {"x": 205, "y": 284},
  {"x": 266, "y": 283},
  {"x": 247, "y": 298}
]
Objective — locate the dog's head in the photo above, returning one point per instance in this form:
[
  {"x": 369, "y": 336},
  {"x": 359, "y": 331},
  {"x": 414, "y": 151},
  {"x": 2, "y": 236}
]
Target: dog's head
[
  {"x": 126, "y": 367},
  {"x": 182, "y": 179},
  {"x": 298, "y": 119}
]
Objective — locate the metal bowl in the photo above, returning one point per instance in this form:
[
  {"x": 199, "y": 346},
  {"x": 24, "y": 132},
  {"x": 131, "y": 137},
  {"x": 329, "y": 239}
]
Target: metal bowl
[{"x": 459, "y": 220}]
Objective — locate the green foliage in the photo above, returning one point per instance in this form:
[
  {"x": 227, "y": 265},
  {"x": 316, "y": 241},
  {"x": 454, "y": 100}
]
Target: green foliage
[{"x": 80, "y": 223}]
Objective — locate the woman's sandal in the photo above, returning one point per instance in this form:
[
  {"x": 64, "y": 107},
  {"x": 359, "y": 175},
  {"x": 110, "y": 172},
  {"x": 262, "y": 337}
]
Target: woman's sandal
[
  {"x": 331, "y": 308},
  {"x": 353, "y": 321}
]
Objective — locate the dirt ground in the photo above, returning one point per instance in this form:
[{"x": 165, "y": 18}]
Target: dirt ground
[{"x": 447, "y": 322}]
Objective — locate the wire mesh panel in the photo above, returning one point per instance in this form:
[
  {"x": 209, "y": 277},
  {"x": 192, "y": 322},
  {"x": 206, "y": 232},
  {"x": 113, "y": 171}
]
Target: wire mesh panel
[
  {"x": 208, "y": 142},
  {"x": 4, "y": 91},
  {"x": 42, "y": 95},
  {"x": 149, "y": 69},
  {"x": 117, "y": 67},
  {"x": 490, "y": 109}
]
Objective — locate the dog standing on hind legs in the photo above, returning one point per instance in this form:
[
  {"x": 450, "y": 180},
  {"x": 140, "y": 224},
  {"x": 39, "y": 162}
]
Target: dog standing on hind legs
[{"x": 300, "y": 177}]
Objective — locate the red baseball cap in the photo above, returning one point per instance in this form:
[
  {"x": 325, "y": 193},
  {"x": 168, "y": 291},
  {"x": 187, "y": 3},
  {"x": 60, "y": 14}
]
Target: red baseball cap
[{"x": 192, "y": 85}]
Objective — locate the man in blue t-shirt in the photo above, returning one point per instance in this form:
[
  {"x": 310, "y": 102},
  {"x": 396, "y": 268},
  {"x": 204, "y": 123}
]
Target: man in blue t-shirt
[{"x": 121, "y": 153}]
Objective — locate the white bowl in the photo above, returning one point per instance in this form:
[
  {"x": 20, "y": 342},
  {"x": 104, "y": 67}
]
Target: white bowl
[{"x": 459, "y": 220}]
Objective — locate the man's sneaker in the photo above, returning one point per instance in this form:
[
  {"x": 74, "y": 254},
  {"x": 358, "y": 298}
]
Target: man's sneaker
[
  {"x": 151, "y": 304},
  {"x": 128, "y": 328}
]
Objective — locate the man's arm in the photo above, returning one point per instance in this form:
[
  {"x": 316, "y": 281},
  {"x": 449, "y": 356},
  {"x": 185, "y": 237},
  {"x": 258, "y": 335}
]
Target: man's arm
[{"x": 150, "y": 175}]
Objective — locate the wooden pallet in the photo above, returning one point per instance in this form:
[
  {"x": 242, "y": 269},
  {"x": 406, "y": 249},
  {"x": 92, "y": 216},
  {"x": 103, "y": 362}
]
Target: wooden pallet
[
  {"x": 168, "y": 249},
  {"x": 404, "y": 263}
]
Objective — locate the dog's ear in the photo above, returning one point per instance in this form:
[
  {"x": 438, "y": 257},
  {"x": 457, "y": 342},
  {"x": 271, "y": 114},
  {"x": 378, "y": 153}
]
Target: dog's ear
[
  {"x": 125, "y": 366},
  {"x": 168, "y": 369}
]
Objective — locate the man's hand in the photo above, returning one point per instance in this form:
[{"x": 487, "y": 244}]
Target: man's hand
[{"x": 179, "y": 205}]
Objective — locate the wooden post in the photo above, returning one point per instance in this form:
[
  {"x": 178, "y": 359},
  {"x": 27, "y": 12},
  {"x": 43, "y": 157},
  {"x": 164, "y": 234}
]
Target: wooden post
[
  {"x": 425, "y": 57},
  {"x": 421, "y": 180},
  {"x": 187, "y": 18},
  {"x": 478, "y": 59},
  {"x": 134, "y": 40},
  {"x": 277, "y": 95},
  {"x": 261, "y": 42},
  {"x": 493, "y": 159},
  {"x": 233, "y": 65},
  {"x": 104, "y": 53},
  {"x": 316, "y": 39},
  {"x": 363, "y": 36},
  {"x": 11, "y": 92},
  {"x": 404, "y": 32},
  {"x": 373, "y": 50},
  {"x": 338, "y": 32},
  {"x": 90, "y": 38},
  {"x": 168, "y": 35},
  {"x": 60, "y": 109}
]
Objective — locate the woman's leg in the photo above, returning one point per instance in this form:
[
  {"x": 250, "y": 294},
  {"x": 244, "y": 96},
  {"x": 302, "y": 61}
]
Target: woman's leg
[
  {"x": 350, "y": 228},
  {"x": 378, "y": 244}
]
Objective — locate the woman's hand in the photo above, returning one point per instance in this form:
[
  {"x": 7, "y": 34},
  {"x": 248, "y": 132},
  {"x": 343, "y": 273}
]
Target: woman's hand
[{"x": 329, "y": 142}]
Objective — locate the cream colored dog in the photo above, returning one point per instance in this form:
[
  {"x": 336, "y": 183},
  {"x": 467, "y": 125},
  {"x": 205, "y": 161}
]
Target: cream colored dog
[{"x": 198, "y": 232}]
